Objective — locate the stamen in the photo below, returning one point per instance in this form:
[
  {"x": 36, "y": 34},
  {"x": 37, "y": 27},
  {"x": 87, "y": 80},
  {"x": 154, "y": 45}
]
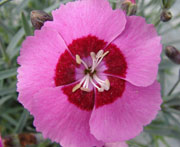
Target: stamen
[
  {"x": 85, "y": 89},
  {"x": 79, "y": 61},
  {"x": 107, "y": 84},
  {"x": 86, "y": 83},
  {"x": 97, "y": 59},
  {"x": 101, "y": 85},
  {"x": 76, "y": 87},
  {"x": 102, "y": 57},
  {"x": 94, "y": 84},
  {"x": 99, "y": 54},
  {"x": 104, "y": 84}
]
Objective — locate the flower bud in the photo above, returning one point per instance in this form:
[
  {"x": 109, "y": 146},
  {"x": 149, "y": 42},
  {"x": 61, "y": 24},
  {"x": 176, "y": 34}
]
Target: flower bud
[
  {"x": 38, "y": 17},
  {"x": 166, "y": 15},
  {"x": 173, "y": 54},
  {"x": 129, "y": 7}
]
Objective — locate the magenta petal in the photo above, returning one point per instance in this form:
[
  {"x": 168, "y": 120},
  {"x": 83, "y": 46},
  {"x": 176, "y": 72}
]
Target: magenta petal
[
  {"x": 88, "y": 17},
  {"x": 38, "y": 58},
  {"x": 62, "y": 121},
  {"x": 1, "y": 141},
  {"x": 125, "y": 118},
  {"x": 141, "y": 47}
]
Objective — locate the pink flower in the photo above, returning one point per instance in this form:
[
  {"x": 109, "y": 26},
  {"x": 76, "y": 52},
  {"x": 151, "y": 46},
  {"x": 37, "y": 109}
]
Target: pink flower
[{"x": 89, "y": 76}]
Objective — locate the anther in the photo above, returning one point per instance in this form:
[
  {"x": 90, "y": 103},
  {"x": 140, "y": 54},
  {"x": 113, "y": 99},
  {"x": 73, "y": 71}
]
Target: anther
[
  {"x": 76, "y": 87},
  {"x": 97, "y": 59},
  {"x": 85, "y": 89},
  {"x": 78, "y": 59},
  {"x": 99, "y": 54}
]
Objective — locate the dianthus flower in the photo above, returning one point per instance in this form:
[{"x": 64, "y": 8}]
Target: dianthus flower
[{"x": 89, "y": 76}]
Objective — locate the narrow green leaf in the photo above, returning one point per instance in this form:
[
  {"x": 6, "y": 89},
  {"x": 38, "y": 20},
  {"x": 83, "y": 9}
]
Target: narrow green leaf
[
  {"x": 173, "y": 118},
  {"x": 174, "y": 102},
  {"x": 52, "y": 7},
  {"x": 4, "y": 99},
  {"x": 9, "y": 119},
  {"x": 21, "y": 6},
  {"x": 26, "y": 26},
  {"x": 163, "y": 131},
  {"x": 6, "y": 91},
  {"x": 171, "y": 110},
  {"x": 8, "y": 73},
  {"x": 3, "y": 2},
  {"x": 22, "y": 122},
  {"x": 14, "y": 41}
]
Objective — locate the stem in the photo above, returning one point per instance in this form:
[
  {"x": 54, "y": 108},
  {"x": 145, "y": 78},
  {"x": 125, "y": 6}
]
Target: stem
[
  {"x": 3, "y": 2},
  {"x": 174, "y": 87},
  {"x": 113, "y": 5},
  {"x": 157, "y": 22},
  {"x": 4, "y": 54}
]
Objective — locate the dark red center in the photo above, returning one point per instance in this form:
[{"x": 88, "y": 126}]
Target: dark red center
[{"x": 66, "y": 66}]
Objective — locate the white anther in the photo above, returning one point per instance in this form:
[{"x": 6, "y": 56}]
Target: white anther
[
  {"x": 85, "y": 89},
  {"x": 93, "y": 55},
  {"x": 107, "y": 84},
  {"x": 97, "y": 59},
  {"x": 99, "y": 54},
  {"x": 76, "y": 87},
  {"x": 79, "y": 61}
]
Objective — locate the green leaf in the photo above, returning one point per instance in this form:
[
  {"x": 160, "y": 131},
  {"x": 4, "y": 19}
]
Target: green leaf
[
  {"x": 26, "y": 26},
  {"x": 22, "y": 122},
  {"x": 52, "y": 7},
  {"x": 6, "y": 91},
  {"x": 174, "y": 102},
  {"x": 14, "y": 41},
  {"x": 163, "y": 131},
  {"x": 21, "y": 6},
  {"x": 171, "y": 110},
  {"x": 8, "y": 73},
  {"x": 9, "y": 119},
  {"x": 173, "y": 118},
  {"x": 4, "y": 99},
  {"x": 3, "y": 2}
]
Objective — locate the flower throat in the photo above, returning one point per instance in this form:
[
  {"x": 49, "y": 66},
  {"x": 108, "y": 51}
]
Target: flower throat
[{"x": 90, "y": 74}]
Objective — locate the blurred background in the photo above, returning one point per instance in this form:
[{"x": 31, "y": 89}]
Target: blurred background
[{"x": 17, "y": 124}]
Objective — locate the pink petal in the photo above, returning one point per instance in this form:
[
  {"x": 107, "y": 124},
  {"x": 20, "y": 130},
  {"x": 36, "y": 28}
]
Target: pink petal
[
  {"x": 38, "y": 58},
  {"x": 116, "y": 144},
  {"x": 125, "y": 118},
  {"x": 141, "y": 47},
  {"x": 1, "y": 141},
  {"x": 88, "y": 17},
  {"x": 62, "y": 121}
]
